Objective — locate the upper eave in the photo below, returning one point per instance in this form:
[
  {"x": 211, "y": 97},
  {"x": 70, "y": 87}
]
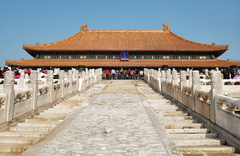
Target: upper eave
[{"x": 125, "y": 40}]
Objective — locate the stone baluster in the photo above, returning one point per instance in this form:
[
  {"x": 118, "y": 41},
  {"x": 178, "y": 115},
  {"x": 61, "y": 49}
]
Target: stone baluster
[
  {"x": 21, "y": 83},
  {"x": 61, "y": 81},
  {"x": 8, "y": 89},
  {"x": 34, "y": 86},
  {"x": 159, "y": 80},
  {"x": 216, "y": 88},
  {"x": 70, "y": 79},
  {"x": 169, "y": 76},
  {"x": 206, "y": 74},
  {"x": 76, "y": 75},
  {"x": 190, "y": 77},
  {"x": 174, "y": 80},
  {"x": 163, "y": 76},
  {"x": 50, "y": 84},
  {"x": 195, "y": 85},
  {"x": 146, "y": 75}
]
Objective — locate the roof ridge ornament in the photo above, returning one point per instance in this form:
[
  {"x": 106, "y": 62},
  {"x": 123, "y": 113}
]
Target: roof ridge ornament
[
  {"x": 84, "y": 27},
  {"x": 166, "y": 27}
]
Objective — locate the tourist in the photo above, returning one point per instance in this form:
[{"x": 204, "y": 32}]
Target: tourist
[
  {"x": 113, "y": 73},
  {"x": 136, "y": 74},
  {"x": 118, "y": 74},
  {"x": 225, "y": 73},
  {"x": 237, "y": 77},
  {"x": 121, "y": 73},
  {"x": 132, "y": 73},
  {"x": 141, "y": 74},
  {"x": 107, "y": 73}
]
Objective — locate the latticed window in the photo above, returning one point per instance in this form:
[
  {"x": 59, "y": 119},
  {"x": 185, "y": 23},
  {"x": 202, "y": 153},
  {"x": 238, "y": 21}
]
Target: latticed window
[
  {"x": 47, "y": 57},
  {"x": 83, "y": 57},
  {"x": 165, "y": 57},
  {"x": 157, "y": 57},
  {"x": 202, "y": 57},
  {"x": 184, "y": 57},
  {"x": 92, "y": 57}
]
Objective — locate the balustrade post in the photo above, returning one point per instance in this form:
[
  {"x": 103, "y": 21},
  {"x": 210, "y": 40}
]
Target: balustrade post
[
  {"x": 34, "y": 85},
  {"x": 61, "y": 81},
  {"x": 195, "y": 85},
  {"x": 183, "y": 82},
  {"x": 21, "y": 82},
  {"x": 76, "y": 75},
  {"x": 70, "y": 79},
  {"x": 8, "y": 89},
  {"x": 50, "y": 84},
  {"x": 169, "y": 76},
  {"x": 216, "y": 88},
  {"x": 190, "y": 77},
  {"x": 158, "y": 78},
  {"x": 174, "y": 80}
]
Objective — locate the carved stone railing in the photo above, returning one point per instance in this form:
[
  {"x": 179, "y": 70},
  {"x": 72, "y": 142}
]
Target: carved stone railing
[
  {"x": 56, "y": 86},
  {"x": 21, "y": 96},
  {"x": 177, "y": 88},
  {"x": 187, "y": 91},
  {"x": 202, "y": 96},
  {"x": 3, "y": 97},
  {"x": 229, "y": 104},
  {"x": 33, "y": 92}
]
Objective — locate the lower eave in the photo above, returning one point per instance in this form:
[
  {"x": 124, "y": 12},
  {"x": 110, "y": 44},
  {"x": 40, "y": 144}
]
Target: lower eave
[
  {"x": 118, "y": 63},
  {"x": 217, "y": 53}
]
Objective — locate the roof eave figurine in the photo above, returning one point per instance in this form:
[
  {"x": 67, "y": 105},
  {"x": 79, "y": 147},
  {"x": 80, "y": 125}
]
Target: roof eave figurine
[
  {"x": 84, "y": 27},
  {"x": 166, "y": 27}
]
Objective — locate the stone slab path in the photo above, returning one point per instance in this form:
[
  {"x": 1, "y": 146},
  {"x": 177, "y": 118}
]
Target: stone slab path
[{"x": 114, "y": 122}]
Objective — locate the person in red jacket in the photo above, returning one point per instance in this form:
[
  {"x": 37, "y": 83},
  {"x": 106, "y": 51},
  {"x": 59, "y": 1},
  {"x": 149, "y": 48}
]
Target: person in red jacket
[{"x": 107, "y": 73}]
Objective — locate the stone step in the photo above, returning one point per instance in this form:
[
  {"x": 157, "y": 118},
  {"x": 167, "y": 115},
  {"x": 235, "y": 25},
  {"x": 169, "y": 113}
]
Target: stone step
[
  {"x": 199, "y": 142},
  {"x": 9, "y": 154},
  {"x": 42, "y": 121},
  {"x": 51, "y": 116},
  {"x": 188, "y": 131},
  {"x": 71, "y": 103},
  {"x": 54, "y": 114},
  {"x": 54, "y": 111},
  {"x": 174, "y": 114},
  {"x": 18, "y": 140},
  {"x": 184, "y": 126},
  {"x": 193, "y": 136},
  {"x": 35, "y": 124},
  {"x": 30, "y": 129},
  {"x": 14, "y": 148},
  {"x": 186, "y": 121},
  {"x": 176, "y": 117},
  {"x": 24, "y": 134},
  {"x": 64, "y": 107},
  {"x": 218, "y": 150}
]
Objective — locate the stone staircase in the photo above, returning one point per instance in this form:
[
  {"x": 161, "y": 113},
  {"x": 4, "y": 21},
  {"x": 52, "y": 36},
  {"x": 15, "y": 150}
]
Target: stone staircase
[
  {"x": 190, "y": 136},
  {"x": 20, "y": 137}
]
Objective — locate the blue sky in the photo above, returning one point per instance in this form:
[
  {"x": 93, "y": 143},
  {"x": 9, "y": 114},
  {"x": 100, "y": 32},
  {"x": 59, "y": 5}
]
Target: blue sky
[{"x": 45, "y": 21}]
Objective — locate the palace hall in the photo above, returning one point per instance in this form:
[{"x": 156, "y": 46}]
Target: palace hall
[{"x": 124, "y": 49}]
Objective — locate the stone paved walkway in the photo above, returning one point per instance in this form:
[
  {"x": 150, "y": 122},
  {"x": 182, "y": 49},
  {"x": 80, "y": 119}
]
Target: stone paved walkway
[{"x": 113, "y": 122}]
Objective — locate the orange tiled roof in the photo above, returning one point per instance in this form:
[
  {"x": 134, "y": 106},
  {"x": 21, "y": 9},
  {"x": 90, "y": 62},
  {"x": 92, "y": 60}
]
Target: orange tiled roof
[
  {"x": 125, "y": 40},
  {"x": 118, "y": 63}
]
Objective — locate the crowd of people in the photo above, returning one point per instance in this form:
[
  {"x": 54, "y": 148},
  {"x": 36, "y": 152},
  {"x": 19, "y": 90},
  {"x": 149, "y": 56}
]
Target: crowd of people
[{"x": 123, "y": 74}]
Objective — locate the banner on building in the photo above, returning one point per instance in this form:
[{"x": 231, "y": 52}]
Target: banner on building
[{"x": 124, "y": 56}]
